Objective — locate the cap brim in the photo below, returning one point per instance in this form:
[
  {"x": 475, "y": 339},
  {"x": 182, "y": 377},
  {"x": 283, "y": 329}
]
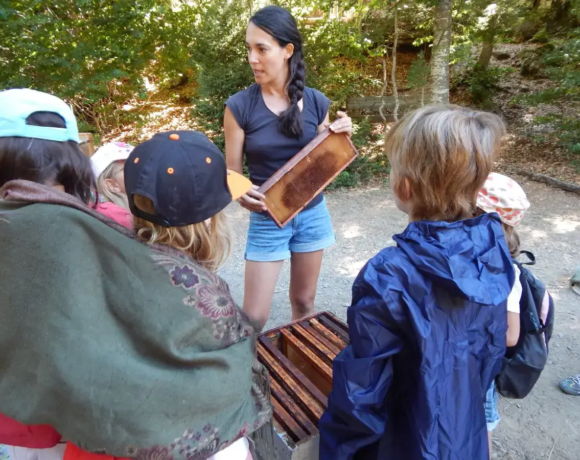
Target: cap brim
[{"x": 238, "y": 184}]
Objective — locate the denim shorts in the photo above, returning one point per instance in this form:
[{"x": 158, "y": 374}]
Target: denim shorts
[
  {"x": 309, "y": 231},
  {"x": 491, "y": 413}
]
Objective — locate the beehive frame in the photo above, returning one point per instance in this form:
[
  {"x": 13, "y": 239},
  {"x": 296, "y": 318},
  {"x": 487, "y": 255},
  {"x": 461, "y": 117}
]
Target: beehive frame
[{"x": 306, "y": 175}]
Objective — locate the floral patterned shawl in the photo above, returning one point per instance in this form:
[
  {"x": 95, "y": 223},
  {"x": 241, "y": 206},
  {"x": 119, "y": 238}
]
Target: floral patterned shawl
[{"x": 124, "y": 348}]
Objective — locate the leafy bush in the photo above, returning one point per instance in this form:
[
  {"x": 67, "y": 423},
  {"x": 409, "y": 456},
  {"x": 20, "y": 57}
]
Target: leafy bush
[
  {"x": 362, "y": 169},
  {"x": 566, "y": 130},
  {"x": 561, "y": 59},
  {"x": 482, "y": 84}
]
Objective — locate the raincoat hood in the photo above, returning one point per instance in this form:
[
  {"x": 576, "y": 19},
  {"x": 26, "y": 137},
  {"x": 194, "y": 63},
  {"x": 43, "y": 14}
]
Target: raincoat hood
[{"x": 465, "y": 257}]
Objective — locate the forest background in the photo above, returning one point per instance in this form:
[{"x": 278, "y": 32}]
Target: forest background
[{"x": 130, "y": 69}]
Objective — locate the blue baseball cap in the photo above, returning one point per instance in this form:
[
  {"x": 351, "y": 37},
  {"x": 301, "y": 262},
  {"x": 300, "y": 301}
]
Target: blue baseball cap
[
  {"x": 16, "y": 105},
  {"x": 185, "y": 176}
]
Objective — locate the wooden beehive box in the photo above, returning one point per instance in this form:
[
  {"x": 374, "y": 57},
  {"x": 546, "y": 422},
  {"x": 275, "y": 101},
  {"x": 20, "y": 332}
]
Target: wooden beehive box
[
  {"x": 306, "y": 175},
  {"x": 87, "y": 144},
  {"x": 299, "y": 358}
]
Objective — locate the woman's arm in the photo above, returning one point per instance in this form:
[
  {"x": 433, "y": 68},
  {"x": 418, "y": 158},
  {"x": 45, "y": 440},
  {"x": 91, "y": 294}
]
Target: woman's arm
[
  {"x": 234, "y": 142},
  {"x": 235, "y": 136}
]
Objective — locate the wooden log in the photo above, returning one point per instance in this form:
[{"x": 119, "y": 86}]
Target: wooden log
[
  {"x": 373, "y": 103},
  {"x": 549, "y": 180},
  {"x": 389, "y": 117}
]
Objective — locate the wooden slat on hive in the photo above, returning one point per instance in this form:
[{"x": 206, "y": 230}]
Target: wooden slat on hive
[
  {"x": 289, "y": 425},
  {"x": 309, "y": 404},
  {"x": 311, "y": 357},
  {"x": 334, "y": 327},
  {"x": 335, "y": 339},
  {"x": 316, "y": 344},
  {"x": 293, "y": 409},
  {"x": 332, "y": 346},
  {"x": 293, "y": 371}
]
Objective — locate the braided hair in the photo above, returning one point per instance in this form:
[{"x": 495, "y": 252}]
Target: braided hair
[{"x": 281, "y": 25}]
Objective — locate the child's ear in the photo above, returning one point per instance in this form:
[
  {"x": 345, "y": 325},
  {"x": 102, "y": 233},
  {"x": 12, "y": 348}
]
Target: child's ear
[
  {"x": 406, "y": 188},
  {"x": 403, "y": 190},
  {"x": 112, "y": 185}
]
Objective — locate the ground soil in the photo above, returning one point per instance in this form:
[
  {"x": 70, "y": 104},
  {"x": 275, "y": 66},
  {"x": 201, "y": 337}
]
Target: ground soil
[{"x": 545, "y": 425}]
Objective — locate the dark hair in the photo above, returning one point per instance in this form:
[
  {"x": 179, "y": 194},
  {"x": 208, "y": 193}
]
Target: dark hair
[
  {"x": 47, "y": 162},
  {"x": 281, "y": 25}
]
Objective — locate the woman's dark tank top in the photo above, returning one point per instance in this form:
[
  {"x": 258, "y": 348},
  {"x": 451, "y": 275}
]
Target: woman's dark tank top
[{"x": 266, "y": 148}]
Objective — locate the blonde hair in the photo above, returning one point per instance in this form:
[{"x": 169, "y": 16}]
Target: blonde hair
[
  {"x": 445, "y": 154},
  {"x": 209, "y": 245},
  {"x": 120, "y": 199}
]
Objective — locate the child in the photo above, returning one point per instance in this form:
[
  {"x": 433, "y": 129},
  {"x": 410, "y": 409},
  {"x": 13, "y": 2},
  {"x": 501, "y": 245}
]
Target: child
[
  {"x": 427, "y": 321},
  {"x": 504, "y": 196},
  {"x": 177, "y": 192},
  {"x": 141, "y": 351},
  {"x": 108, "y": 164}
]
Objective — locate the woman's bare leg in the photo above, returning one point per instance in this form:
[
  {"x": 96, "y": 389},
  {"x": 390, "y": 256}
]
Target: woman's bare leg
[
  {"x": 304, "y": 272},
  {"x": 259, "y": 284}
]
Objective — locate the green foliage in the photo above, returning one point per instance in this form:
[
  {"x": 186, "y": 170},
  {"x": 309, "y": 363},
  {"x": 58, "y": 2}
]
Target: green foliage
[
  {"x": 482, "y": 84},
  {"x": 541, "y": 36},
  {"x": 362, "y": 169},
  {"x": 74, "y": 49},
  {"x": 561, "y": 61},
  {"x": 418, "y": 74},
  {"x": 546, "y": 96},
  {"x": 98, "y": 55},
  {"x": 565, "y": 129}
]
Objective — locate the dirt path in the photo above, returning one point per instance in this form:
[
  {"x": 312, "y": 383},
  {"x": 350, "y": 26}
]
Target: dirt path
[{"x": 546, "y": 424}]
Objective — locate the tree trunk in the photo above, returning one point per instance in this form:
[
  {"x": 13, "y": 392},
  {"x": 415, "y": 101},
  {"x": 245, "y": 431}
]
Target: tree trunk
[
  {"x": 487, "y": 45},
  {"x": 394, "y": 66},
  {"x": 383, "y": 91},
  {"x": 440, "y": 55}
]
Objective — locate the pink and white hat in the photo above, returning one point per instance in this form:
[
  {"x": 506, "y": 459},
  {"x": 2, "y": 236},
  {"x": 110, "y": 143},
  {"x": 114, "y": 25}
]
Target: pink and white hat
[
  {"x": 109, "y": 153},
  {"x": 505, "y": 196}
]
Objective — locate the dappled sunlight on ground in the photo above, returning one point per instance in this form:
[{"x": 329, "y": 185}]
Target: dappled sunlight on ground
[
  {"x": 537, "y": 235},
  {"x": 350, "y": 266},
  {"x": 564, "y": 224},
  {"x": 351, "y": 232}
]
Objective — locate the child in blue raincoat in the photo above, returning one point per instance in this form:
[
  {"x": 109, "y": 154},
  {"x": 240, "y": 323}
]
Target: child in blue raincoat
[{"x": 428, "y": 316}]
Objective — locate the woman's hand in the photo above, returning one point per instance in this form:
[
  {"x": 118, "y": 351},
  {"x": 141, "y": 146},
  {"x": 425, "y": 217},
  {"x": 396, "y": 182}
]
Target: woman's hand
[
  {"x": 342, "y": 125},
  {"x": 253, "y": 200}
]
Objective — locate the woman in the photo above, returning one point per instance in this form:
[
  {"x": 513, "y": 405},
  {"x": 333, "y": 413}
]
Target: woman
[
  {"x": 125, "y": 347},
  {"x": 270, "y": 122}
]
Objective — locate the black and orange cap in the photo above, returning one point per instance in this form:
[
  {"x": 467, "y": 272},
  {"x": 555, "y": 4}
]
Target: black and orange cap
[{"x": 185, "y": 176}]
